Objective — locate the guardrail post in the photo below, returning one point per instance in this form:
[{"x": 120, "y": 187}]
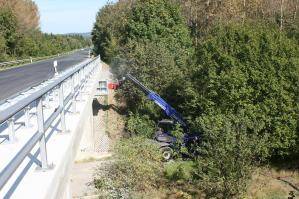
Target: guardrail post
[
  {"x": 80, "y": 85},
  {"x": 11, "y": 126},
  {"x": 56, "y": 93},
  {"x": 84, "y": 78},
  {"x": 41, "y": 130},
  {"x": 89, "y": 71},
  {"x": 47, "y": 100},
  {"x": 74, "y": 94},
  {"x": 84, "y": 72},
  {"x": 27, "y": 117},
  {"x": 61, "y": 105}
]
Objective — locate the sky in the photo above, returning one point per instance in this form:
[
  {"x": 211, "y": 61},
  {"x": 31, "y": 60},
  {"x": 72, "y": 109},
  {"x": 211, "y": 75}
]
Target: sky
[{"x": 68, "y": 16}]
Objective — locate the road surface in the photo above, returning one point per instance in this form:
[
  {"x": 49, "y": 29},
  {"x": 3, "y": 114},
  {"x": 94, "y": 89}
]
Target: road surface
[{"x": 18, "y": 79}]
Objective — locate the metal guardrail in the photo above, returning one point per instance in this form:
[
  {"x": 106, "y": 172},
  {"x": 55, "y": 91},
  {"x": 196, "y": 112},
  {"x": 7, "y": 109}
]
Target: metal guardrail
[
  {"x": 3, "y": 101},
  {"x": 35, "y": 59},
  {"x": 31, "y": 60},
  {"x": 77, "y": 77}
]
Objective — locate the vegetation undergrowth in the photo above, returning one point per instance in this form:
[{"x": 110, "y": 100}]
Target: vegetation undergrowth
[{"x": 137, "y": 168}]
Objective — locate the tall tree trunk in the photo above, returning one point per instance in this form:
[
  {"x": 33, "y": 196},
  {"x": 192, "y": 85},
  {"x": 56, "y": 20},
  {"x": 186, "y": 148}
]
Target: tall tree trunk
[
  {"x": 244, "y": 11},
  {"x": 207, "y": 12},
  {"x": 281, "y": 14},
  {"x": 295, "y": 11},
  {"x": 196, "y": 25}
]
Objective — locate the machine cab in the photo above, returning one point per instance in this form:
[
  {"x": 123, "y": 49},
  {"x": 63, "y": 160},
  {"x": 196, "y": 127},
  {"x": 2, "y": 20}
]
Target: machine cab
[
  {"x": 163, "y": 133},
  {"x": 166, "y": 125}
]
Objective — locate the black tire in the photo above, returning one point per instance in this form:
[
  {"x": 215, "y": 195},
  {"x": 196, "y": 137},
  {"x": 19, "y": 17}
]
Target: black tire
[{"x": 167, "y": 153}]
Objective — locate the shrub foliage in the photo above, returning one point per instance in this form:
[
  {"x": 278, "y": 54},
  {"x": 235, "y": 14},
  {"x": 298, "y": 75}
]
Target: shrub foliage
[
  {"x": 137, "y": 168},
  {"x": 249, "y": 69}
]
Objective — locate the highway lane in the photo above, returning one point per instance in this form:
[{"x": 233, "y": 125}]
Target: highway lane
[{"x": 18, "y": 79}]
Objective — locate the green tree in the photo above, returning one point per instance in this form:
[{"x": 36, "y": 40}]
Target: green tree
[
  {"x": 27, "y": 46},
  {"x": 8, "y": 28},
  {"x": 140, "y": 125},
  {"x": 161, "y": 22},
  {"x": 108, "y": 29},
  {"x": 250, "y": 68},
  {"x": 156, "y": 43},
  {"x": 2, "y": 48},
  {"x": 148, "y": 60},
  {"x": 227, "y": 154}
]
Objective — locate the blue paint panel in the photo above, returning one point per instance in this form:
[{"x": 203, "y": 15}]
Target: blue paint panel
[{"x": 170, "y": 111}]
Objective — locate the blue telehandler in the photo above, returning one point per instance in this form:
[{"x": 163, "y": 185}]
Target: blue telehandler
[{"x": 167, "y": 142}]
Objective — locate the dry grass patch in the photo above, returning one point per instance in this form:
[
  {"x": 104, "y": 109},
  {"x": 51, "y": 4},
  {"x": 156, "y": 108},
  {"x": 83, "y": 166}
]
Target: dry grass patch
[{"x": 270, "y": 183}]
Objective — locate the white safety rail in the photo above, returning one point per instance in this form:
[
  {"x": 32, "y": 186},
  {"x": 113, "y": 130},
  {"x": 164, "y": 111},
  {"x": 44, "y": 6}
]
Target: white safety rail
[{"x": 28, "y": 120}]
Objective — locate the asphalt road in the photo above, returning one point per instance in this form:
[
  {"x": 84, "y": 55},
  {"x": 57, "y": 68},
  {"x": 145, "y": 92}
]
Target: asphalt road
[{"x": 18, "y": 79}]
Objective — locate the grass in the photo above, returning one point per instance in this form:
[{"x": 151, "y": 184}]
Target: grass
[
  {"x": 274, "y": 183},
  {"x": 269, "y": 182},
  {"x": 93, "y": 159},
  {"x": 179, "y": 170}
]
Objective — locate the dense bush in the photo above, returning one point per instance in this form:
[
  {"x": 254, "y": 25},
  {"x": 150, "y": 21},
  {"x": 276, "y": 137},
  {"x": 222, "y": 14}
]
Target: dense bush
[
  {"x": 227, "y": 154},
  {"x": 138, "y": 167},
  {"x": 161, "y": 22},
  {"x": 108, "y": 30},
  {"x": 156, "y": 44},
  {"x": 250, "y": 69},
  {"x": 153, "y": 40},
  {"x": 147, "y": 59},
  {"x": 180, "y": 171},
  {"x": 141, "y": 125}
]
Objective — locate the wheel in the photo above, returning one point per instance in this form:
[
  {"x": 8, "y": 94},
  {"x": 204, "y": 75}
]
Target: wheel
[{"x": 167, "y": 153}]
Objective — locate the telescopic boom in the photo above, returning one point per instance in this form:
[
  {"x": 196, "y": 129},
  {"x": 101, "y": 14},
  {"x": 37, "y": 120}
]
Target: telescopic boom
[{"x": 169, "y": 110}]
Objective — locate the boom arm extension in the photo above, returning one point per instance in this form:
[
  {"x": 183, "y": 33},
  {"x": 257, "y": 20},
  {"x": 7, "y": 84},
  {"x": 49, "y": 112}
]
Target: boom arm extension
[{"x": 169, "y": 110}]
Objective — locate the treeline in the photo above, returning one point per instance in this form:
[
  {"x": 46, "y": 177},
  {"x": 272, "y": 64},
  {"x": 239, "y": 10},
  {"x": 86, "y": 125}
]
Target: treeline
[
  {"x": 20, "y": 35},
  {"x": 231, "y": 67},
  {"x": 203, "y": 14}
]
